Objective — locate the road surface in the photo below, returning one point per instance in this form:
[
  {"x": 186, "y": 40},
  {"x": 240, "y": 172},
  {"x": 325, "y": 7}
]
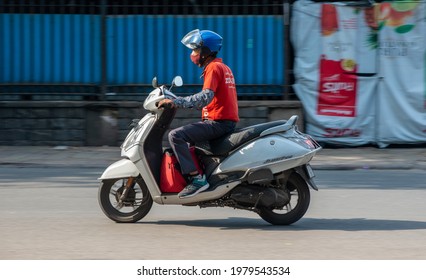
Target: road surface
[{"x": 53, "y": 213}]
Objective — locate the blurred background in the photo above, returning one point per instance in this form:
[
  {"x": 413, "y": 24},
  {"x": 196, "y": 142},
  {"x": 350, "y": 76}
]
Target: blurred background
[
  {"x": 75, "y": 72},
  {"x": 111, "y": 49}
]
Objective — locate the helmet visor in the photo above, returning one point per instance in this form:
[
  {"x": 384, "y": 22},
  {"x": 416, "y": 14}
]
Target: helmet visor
[{"x": 193, "y": 39}]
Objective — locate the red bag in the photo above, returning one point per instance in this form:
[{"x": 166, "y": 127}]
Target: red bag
[{"x": 171, "y": 179}]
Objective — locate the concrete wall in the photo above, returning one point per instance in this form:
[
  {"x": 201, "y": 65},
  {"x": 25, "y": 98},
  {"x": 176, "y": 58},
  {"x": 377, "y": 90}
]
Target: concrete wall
[{"x": 56, "y": 123}]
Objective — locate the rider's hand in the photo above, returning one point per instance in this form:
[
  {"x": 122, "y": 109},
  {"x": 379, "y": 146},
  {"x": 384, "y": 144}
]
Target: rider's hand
[{"x": 166, "y": 103}]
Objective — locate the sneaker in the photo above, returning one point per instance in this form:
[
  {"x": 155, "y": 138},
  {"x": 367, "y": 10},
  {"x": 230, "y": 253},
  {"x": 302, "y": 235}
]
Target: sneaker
[{"x": 198, "y": 184}]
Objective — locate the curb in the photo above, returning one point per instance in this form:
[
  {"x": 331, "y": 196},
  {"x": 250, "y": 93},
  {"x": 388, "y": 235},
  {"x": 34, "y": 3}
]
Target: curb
[{"x": 102, "y": 157}]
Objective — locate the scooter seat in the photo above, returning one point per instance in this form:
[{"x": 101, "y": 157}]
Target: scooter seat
[{"x": 223, "y": 145}]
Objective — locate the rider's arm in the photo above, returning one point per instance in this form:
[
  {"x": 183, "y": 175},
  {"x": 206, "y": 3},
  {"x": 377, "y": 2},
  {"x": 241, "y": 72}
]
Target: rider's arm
[{"x": 196, "y": 101}]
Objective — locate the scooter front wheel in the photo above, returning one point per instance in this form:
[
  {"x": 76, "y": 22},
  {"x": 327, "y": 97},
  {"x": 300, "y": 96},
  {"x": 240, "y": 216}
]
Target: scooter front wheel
[
  {"x": 299, "y": 202},
  {"x": 133, "y": 207}
]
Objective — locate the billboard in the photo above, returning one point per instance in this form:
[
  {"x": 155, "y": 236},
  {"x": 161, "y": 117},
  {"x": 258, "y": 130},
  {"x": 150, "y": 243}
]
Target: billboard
[{"x": 360, "y": 71}]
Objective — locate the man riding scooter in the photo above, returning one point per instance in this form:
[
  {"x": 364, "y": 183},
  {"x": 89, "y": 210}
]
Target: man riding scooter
[{"x": 217, "y": 100}]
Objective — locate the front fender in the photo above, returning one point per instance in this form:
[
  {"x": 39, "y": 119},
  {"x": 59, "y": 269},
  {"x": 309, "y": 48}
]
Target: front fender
[{"x": 123, "y": 168}]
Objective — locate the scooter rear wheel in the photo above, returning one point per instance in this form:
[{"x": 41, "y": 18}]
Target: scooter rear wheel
[
  {"x": 294, "y": 211},
  {"x": 136, "y": 205}
]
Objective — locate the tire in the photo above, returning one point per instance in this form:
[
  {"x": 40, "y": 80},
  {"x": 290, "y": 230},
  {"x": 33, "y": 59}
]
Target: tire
[
  {"x": 134, "y": 208},
  {"x": 290, "y": 214}
]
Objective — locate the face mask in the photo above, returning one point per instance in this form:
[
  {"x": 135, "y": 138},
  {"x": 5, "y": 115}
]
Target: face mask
[{"x": 195, "y": 59}]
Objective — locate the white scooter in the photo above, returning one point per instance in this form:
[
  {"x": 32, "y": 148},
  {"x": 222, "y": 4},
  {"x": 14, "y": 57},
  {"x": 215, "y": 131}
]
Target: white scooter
[{"x": 262, "y": 168}]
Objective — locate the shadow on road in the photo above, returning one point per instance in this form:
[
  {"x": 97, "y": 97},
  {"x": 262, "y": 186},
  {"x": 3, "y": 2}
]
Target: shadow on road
[
  {"x": 358, "y": 224},
  {"x": 306, "y": 224}
]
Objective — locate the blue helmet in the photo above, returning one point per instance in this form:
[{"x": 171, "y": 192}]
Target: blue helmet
[{"x": 204, "y": 38}]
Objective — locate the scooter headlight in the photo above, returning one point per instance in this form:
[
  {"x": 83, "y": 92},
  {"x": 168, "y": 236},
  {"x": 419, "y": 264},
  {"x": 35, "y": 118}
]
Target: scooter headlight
[{"x": 133, "y": 137}]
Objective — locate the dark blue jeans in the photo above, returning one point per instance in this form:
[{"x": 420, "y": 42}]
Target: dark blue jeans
[{"x": 182, "y": 137}]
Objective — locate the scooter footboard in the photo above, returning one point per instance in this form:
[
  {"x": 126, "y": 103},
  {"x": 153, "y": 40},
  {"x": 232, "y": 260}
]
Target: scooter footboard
[{"x": 120, "y": 169}]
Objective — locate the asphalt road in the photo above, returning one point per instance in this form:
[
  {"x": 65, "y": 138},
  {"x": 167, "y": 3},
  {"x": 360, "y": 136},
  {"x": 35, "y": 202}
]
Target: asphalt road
[{"x": 53, "y": 213}]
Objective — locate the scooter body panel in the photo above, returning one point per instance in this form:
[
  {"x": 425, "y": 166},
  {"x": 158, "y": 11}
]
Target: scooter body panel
[
  {"x": 136, "y": 137},
  {"x": 216, "y": 193},
  {"x": 135, "y": 159},
  {"x": 275, "y": 152},
  {"x": 123, "y": 168}
]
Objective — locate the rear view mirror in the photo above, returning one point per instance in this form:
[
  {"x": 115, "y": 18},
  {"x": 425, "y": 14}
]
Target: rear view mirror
[
  {"x": 177, "y": 81},
  {"x": 155, "y": 82}
]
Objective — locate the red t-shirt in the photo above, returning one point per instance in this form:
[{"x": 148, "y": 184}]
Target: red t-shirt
[{"x": 219, "y": 78}]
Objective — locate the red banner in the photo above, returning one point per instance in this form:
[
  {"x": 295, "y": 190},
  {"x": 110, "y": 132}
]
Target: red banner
[
  {"x": 337, "y": 84},
  {"x": 337, "y": 88}
]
